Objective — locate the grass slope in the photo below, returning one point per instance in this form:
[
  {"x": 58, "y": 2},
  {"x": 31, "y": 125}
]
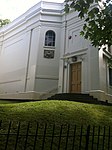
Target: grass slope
[
  {"x": 50, "y": 112},
  {"x": 57, "y": 112}
]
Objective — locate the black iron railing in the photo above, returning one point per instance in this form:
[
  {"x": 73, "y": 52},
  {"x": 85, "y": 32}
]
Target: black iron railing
[{"x": 37, "y": 136}]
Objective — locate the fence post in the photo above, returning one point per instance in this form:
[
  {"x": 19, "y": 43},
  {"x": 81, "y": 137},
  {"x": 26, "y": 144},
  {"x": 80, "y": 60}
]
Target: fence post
[
  {"x": 103, "y": 144},
  {"x": 93, "y": 134},
  {"x": 26, "y": 135},
  {"x": 60, "y": 137},
  {"x": 52, "y": 137},
  {"x": 8, "y": 135},
  {"x": 87, "y": 137},
  {"x": 74, "y": 135},
  {"x": 17, "y": 135},
  {"x": 98, "y": 137},
  {"x": 67, "y": 136},
  {"x": 109, "y": 138},
  {"x": 80, "y": 142},
  {"x": 36, "y": 135},
  {"x": 43, "y": 142}
]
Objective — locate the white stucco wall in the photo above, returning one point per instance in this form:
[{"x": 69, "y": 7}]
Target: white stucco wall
[
  {"x": 75, "y": 46},
  {"x": 23, "y": 68},
  {"x": 13, "y": 61},
  {"x": 26, "y": 73},
  {"x": 48, "y": 69},
  {"x": 94, "y": 68}
]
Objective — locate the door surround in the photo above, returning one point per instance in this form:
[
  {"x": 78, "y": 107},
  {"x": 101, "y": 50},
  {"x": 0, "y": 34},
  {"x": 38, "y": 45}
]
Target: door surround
[{"x": 75, "y": 77}]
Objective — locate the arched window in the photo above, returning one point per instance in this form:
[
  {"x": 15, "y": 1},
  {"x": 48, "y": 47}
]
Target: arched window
[{"x": 50, "y": 38}]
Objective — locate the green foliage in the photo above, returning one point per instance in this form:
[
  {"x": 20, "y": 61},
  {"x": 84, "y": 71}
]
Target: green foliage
[
  {"x": 4, "y": 22},
  {"x": 98, "y": 19},
  {"x": 60, "y": 112}
]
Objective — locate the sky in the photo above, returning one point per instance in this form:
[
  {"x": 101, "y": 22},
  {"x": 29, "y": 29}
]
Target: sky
[{"x": 11, "y": 9}]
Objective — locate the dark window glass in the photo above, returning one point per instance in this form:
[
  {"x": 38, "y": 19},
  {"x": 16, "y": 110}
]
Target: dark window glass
[
  {"x": 110, "y": 76},
  {"x": 50, "y": 38}
]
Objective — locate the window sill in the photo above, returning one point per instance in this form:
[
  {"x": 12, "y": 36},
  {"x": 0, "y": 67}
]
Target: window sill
[{"x": 49, "y": 47}]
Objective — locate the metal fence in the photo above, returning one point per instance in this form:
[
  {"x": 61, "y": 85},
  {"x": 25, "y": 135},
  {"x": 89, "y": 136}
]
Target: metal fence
[{"x": 37, "y": 136}]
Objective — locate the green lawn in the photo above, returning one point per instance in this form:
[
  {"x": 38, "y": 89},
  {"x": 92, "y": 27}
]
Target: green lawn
[
  {"x": 50, "y": 112},
  {"x": 57, "y": 112}
]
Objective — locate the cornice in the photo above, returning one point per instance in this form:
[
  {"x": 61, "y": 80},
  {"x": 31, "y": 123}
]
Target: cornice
[{"x": 41, "y": 8}]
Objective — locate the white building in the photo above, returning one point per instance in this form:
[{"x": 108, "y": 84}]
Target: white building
[{"x": 42, "y": 53}]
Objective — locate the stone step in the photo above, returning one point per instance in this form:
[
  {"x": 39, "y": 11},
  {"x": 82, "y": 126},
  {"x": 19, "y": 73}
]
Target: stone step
[
  {"x": 78, "y": 97},
  {"x": 74, "y": 97}
]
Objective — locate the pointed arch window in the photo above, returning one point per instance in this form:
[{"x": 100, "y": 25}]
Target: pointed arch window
[{"x": 50, "y": 38}]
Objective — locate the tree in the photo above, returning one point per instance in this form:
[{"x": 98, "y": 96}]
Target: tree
[
  {"x": 4, "y": 22},
  {"x": 97, "y": 16}
]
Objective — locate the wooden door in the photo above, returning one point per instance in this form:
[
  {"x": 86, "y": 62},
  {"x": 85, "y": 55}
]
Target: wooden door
[{"x": 75, "y": 81}]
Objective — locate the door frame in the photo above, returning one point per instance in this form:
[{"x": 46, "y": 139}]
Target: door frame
[{"x": 70, "y": 75}]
